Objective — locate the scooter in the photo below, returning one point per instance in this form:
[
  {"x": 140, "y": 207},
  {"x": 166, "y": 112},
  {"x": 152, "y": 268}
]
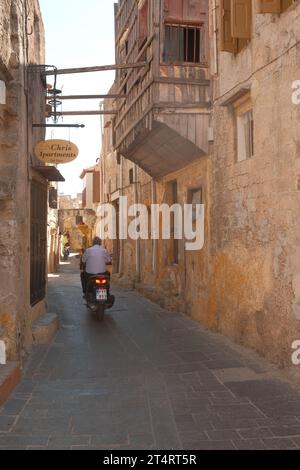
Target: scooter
[
  {"x": 66, "y": 253},
  {"x": 98, "y": 298}
]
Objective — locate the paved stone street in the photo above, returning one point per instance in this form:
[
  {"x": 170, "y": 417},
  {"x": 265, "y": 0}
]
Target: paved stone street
[{"x": 144, "y": 378}]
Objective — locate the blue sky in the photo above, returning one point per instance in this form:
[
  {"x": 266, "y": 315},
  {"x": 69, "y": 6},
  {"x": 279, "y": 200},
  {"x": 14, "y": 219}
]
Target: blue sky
[{"x": 80, "y": 33}]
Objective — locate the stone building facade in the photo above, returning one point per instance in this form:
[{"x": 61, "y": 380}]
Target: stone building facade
[
  {"x": 254, "y": 267},
  {"x": 23, "y": 184},
  {"x": 76, "y": 221},
  {"x": 156, "y": 148},
  {"x": 244, "y": 283}
]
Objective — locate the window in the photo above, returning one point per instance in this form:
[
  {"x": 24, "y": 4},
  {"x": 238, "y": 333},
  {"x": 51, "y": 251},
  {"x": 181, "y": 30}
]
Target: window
[
  {"x": 235, "y": 24},
  {"x": 53, "y": 198},
  {"x": 185, "y": 31},
  {"x": 96, "y": 187},
  {"x": 79, "y": 220},
  {"x": 184, "y": 44},
  {"x": 275, "y": 6},
  {"x": 195, "y": 197},
  {"x": 131, "y": 180},
  {"x": 245, "y": 141}
]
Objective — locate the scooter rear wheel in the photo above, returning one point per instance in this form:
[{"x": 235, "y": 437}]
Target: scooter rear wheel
[{"x": 100, "y": 312}]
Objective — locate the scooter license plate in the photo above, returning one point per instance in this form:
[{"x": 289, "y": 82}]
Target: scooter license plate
[{"x": 101, "y": 294}]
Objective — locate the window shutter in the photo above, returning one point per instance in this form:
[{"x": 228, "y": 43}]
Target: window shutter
[
  {"x": 286, "y": 4},
  {"x": 96, "y": 187},
  {"x": 186, "y": 10},
  {"x": 241, "y": 15},
  {"x": 84, "y": 198},
  {"x": 269, "y": 6},
  {"x": 227, "y": 43},
  {"x": 195, "y": 10},
  {"x": 174, "y": 9}
]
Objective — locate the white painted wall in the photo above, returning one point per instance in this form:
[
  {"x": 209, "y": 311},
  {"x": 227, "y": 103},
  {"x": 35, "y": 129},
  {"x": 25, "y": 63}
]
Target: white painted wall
[{"x": 89, "y": 190}]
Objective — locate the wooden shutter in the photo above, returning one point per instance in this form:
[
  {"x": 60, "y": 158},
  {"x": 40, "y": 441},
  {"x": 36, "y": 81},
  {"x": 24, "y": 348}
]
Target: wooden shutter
[
  {"x": 195, "y": 10},
  {"x": 227, "y": 43},
  {"x": 174, "y": 10},
  {"x": 186, "y": 10},
  {"x": 286, "y": 4},
  {"x": 96, "y": 187},
  {"x": 241, "y": 19},
  {"x": 84, "y": 198},
  {"x": 269, "y": 6}
]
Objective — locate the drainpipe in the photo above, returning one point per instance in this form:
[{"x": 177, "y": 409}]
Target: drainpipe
[
  {"x": 121, "y": 241},
  {"x": 215, "y": 40},
  {"x": 137, "y": 243}
]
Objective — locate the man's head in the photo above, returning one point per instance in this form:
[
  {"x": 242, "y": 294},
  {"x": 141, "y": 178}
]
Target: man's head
[{"x": 97, "y": 241}]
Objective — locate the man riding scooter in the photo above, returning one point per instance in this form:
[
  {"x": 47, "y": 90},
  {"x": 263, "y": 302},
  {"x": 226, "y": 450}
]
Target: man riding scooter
[{"x": 93, "y": 262}]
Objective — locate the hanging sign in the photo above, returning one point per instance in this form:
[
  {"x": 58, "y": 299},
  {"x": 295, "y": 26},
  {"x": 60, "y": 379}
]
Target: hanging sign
[{"x": 56, "y": 151}]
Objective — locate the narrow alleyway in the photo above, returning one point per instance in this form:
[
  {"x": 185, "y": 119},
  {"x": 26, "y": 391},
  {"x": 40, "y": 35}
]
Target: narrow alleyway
[{"x": 144, "y": 378}]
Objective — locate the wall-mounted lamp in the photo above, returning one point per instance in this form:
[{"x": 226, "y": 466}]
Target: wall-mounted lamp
[{"x": 2, "y": 92}]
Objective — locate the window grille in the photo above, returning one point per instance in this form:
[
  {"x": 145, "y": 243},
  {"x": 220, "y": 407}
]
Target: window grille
[{"x": 184, "y": 44}]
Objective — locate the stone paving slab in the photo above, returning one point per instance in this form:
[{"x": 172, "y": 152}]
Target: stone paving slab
[{"x": 144, "y": 378}]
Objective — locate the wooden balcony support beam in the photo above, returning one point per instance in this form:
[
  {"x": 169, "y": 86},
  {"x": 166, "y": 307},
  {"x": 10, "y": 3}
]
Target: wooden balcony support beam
[
  {"x": 100, "y": 68},
  {"x": 83, "y": 113},
  {"x": 85, "y": 97}
]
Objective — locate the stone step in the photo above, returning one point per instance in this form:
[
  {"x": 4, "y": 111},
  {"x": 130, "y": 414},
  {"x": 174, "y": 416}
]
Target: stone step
[
  {"x": 45, "y": 328},
  {"x": 10, "y": 375}
]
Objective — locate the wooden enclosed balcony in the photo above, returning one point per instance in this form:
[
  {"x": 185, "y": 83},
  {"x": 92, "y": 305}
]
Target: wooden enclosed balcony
[{"x": 162, "y": 124}]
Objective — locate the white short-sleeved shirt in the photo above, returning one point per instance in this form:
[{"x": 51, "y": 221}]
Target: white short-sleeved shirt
[{"x": 96, "y": 258}]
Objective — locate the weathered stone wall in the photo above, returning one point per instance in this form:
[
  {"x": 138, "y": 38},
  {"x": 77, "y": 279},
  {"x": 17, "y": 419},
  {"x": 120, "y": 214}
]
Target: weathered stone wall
[
  {"x": 21, "y": 43},
  {"x": 254, "y": 293},
  {"x": 79, "y": 239},
  {"x": 69, "y": 202},
  {"x": 182, "y": 286},
  {"x": 145, "y": 263}
]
